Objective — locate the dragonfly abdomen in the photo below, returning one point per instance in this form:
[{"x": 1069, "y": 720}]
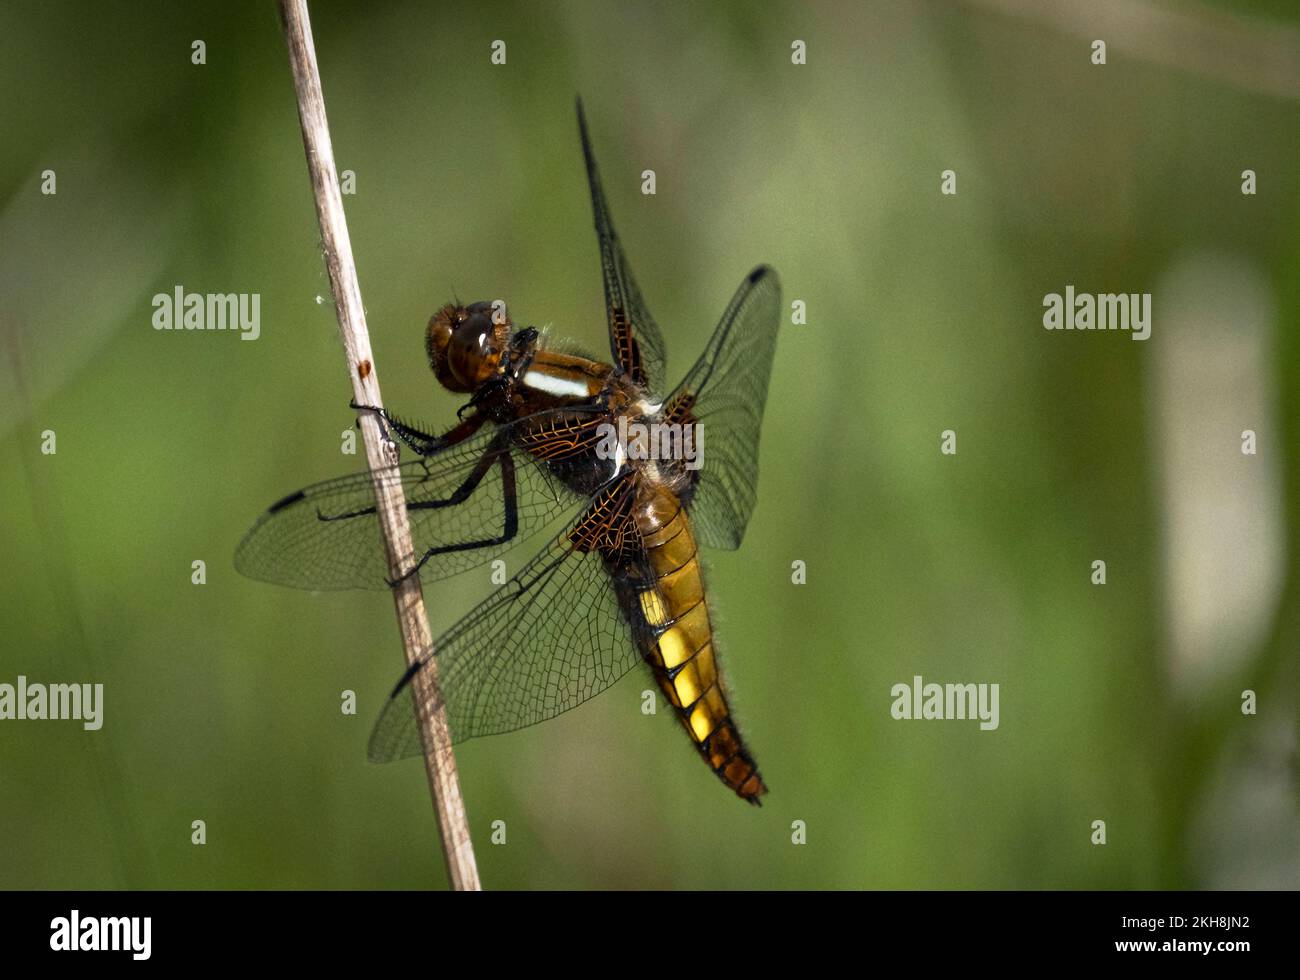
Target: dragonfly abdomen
[{"x": 677, "y": 641}]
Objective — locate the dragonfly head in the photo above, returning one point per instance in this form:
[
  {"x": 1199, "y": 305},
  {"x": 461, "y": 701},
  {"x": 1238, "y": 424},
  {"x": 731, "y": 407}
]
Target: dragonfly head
[{"x": 466, "y": 344}]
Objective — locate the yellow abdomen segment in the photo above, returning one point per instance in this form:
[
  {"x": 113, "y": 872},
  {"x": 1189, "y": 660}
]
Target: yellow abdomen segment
[{"x": 679, "y": 644}]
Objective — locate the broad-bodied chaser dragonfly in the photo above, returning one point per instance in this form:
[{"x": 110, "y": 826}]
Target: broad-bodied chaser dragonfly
[{"x": 622, "y": 582}]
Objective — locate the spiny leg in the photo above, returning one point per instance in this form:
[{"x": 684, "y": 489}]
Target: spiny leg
[
  {"x": 510, "y": 504},
  {"x": 425, "y": 443},
  {"x": 458, "y": 496}
]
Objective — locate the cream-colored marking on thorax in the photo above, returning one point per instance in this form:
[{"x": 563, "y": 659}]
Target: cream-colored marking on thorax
[{"x": 562, "y": 387}]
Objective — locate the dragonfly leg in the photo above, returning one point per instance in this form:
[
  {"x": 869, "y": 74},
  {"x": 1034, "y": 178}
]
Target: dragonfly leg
[
  {"x": 417, "y": 440},
  {"x": 458, "y": 496},
  {"x": 497, "y": 454}
]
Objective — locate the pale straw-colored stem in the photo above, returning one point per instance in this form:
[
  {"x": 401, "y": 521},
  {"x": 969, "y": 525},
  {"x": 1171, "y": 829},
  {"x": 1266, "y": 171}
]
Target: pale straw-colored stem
[{"x": 440, "y": 763}]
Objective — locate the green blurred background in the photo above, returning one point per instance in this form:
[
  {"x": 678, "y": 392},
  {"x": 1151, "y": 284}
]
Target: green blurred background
[{"x": 1118, "y": 703}]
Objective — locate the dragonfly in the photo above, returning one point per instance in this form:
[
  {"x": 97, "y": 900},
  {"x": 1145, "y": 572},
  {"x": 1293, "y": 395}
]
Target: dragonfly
[{"x": 602, "y": 449}]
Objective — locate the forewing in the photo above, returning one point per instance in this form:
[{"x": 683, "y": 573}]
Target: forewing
[
  {"x": 726, "y": 391},
  {"x": 327, "y": 536},
  {"x": 549, "y": 639},
  {"x": 634, "y": 338}
]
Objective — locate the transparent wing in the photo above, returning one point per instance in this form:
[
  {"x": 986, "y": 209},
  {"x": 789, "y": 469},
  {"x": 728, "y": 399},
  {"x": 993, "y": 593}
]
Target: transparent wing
[
  {"x": 549, "y": 639},
  {"x": 726, "y": 391},
  {"x": 466, "y": 504},
  {"x": 634, "y": 338}
]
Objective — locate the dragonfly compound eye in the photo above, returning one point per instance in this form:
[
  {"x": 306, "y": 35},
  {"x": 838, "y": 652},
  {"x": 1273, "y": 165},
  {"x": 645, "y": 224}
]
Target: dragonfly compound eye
[{"x": 465, "y": 345}]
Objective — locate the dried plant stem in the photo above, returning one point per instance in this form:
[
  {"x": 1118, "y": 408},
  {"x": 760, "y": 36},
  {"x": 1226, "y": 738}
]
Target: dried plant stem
[{"x": 440, "y": 763}]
